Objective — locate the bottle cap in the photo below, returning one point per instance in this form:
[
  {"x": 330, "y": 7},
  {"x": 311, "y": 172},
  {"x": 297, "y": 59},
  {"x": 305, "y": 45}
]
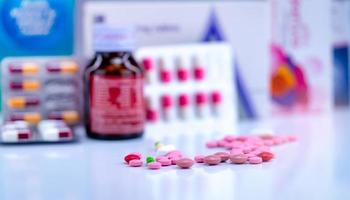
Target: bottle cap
[{"x": 108, "y": 38}]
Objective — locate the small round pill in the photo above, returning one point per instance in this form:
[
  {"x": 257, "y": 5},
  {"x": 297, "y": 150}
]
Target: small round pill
[
  {"x": 131, "y": 156},
  {"x": 237, "y": 145},
  {"x": 247, "y": 149},
  {"x": 135, "y": 163},
  {"x": 223, "y": 155},
  {"x": 255, "y": 152},
  {"x": 229, "y": 138},
  {"x": 161, "y": 157},
  {"x": 150, "y": 159},
  {"x": 221, "y": 143},
  {"x": 154, "y": 165},
  {"x": 268, "y": 142},
  {"x": 212, "y": 160},
  {"x": 184, "y": 163},
  {"x": 136, "y": 153},
  {"x": 266, "y": 156},
  {"x": 174, "y": 153},
  {"x": 242, "y": 138},
  {"x": 173, "y": 160},
  {"x": 199, "y": 158},
  {"x": 228, "y": 146},
  {"x": 255, "y": 160},
  {"x": 264, "y": 148},
  {"x": 164, "y": 161},
  {"x": 234, "y": 152},
  {"x": 239, "y": 159},
  {"x": 211, "y": 144},
  {"x": 250, "y": 155}
]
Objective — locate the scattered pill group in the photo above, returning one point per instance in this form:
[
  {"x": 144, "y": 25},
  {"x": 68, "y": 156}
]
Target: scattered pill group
[
  {"x": 239, "y": 150},
  {"x": 247, "y": 149},
  {"x": 171, "y": 158}
]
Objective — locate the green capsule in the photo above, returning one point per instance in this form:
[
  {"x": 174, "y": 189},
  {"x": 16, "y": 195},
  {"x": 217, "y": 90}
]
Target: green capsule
[{"x": 150, "y": 159}]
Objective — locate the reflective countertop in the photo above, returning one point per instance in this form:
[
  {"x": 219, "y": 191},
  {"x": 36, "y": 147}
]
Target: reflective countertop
[{"x": 317, "y": 166}]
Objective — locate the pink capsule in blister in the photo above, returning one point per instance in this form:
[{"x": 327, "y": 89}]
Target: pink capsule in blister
[
  {"x": 151, "y": 112},
  {"x": 216, "y": 100},
  {"x": 148, "y": 65},
  {"x": 165, "y": 75},
  {"x": 199, "y": 73},
  {"x": 182, "y": 74},
  {"x": 164, "y": 71},
  {"x": 166, "y": 101},
  {"x": 151, "y": 115},
  {"x": 198, "y": 69},
  {"x": 183, "y": 106},
  {"x": 216, "y": 97},
  {"x": 200, "y": 100},
  {"x": 166, "y": 106}
]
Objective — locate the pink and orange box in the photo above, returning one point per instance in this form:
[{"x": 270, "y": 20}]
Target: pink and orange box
[
  {"x": 283, "y": 53},
  {"x": 301, "y": 71}
]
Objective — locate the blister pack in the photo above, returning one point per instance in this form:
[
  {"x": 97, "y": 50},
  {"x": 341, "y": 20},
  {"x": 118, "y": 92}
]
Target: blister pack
[
  {"x": 189, "y": 89},
  {"x": 41, "y": 88}
]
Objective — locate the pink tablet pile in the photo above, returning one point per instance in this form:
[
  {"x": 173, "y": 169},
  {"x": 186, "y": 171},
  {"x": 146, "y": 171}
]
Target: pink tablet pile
[{"x": 235, "y": 149}]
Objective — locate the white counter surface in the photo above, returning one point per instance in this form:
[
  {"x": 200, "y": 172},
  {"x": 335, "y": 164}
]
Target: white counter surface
[{"x": 317, "y": 166}]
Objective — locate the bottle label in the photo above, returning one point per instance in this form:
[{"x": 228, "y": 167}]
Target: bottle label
[
  {"x": 117, "y": 105},
  {"x": 112, "y": 39}
]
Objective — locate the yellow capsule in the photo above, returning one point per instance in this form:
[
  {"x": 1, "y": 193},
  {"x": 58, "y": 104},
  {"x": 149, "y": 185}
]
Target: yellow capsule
[
  {"x": 69, "y": 67},
  {"x": 32, "y": 118},
  {"x": 30, "y": 68},
  {"x": 22, "y": 102},
  {"x": 16, "y": 102},
  {"x": 31, "y": 85},
  {"x": 69, "y": 116}
]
